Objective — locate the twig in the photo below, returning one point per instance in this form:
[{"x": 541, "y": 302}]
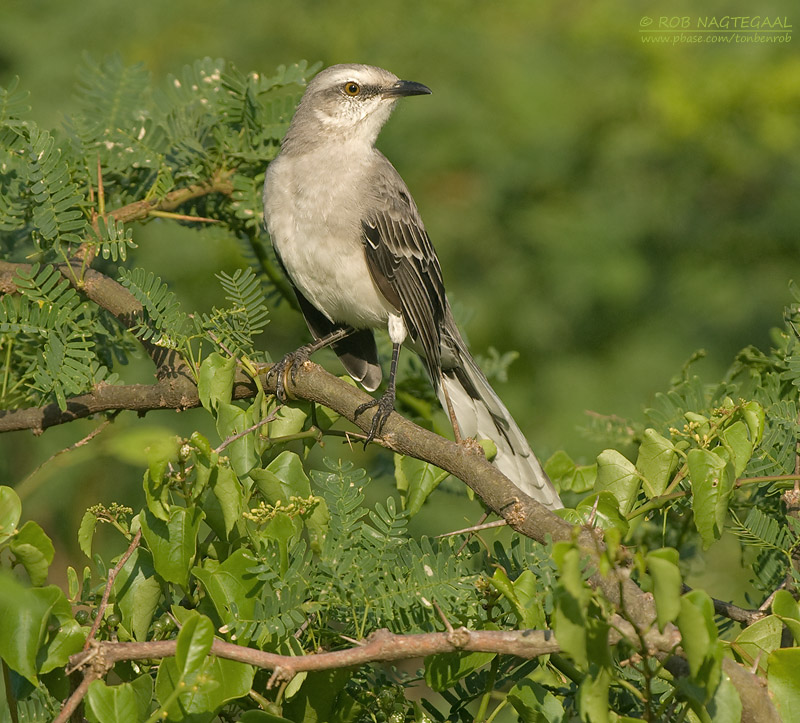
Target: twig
[
  {"x": 475, "y": 528},
  {"x": 220, "y": 183},
  {"x": 77, "y": 696},
  {"x": 734, "y": 612},
  {"x": 109, "y": 584},
  {"x": 230, "y": 440},
  {"x": 183, "y": 217},
  {"x": 26, "y": 487},
  {"x": 446, "y": 622}
]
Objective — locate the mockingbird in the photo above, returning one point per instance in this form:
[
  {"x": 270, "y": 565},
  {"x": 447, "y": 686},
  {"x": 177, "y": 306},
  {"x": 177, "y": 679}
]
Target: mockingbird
[{"x": 350, "y": 239}]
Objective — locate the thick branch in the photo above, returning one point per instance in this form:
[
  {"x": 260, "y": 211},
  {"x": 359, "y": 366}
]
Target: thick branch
[{"x": 111, "y": 296}]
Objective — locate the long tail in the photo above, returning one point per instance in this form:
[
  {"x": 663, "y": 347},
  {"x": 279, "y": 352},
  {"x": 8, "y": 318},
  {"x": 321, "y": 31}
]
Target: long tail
[{"x": 480, "y": 413}]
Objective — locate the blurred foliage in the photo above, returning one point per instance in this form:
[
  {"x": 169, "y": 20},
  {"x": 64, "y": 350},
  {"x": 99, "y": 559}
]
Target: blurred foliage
[{"x": 630, "y": 203}]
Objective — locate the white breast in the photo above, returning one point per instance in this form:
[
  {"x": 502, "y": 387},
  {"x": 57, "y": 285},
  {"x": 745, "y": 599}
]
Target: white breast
[{"x": 315, "y": 227}]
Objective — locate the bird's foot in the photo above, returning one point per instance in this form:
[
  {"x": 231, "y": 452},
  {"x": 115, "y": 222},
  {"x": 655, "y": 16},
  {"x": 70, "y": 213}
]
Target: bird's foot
[
  {"x": 385, "y": 406},
  {"x": 285, "y": 371}
]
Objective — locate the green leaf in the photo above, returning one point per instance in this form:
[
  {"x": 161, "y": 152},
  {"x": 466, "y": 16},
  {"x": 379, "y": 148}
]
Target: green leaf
[
  {"x": 444, "y": 670},
  {"x": 601, "y": 509},
  {"x": 655, "y": 461},
  {"x": 317, "y": 700},
  {"x": 228, "y": 491},
  {"x": 571, "y": 598},
  {"x": 568, "y": 476},
  {"x": 699, "y": 637},
  {"x": 124, "y": 703},
  {"x": 215, "y": 381},
  {"x": 86, "y": 532},
  {"x": 10, "y": 512},
  {"x": 73, "y": 585},
  {"x": 736, "y": 439},
  {"x": 535, "y": 704},
  {"x": 784, "y": 682},
  {"x": 712, "y": 485},
  {"x": 156, "y": 488},
  {"x": 758, "y": 640},
  {"x": 193, "y": 645},
  {"x": 281, "y": 528},
  {"x": 288, "y": 421},
  {"x": 788, "y": 609},
  {"x": 233, "y": 420},
  {"x": 137, "y": 593},
  {"x": 22, "y": 627},
  {"x": 230, "y": 583},
  {"x": 754, "y": 416},
  {"x": 217, "y": 682},
  {"x": 663, "y": 567},
  {"x": 528, "y": 593},
  {"x": 33, "y": 548},
  {"x": 592, "y": 695},
  {"x": 418, "y": 479},
  {"x": 618, "y": 475},
  {"x": 523, "y": 596},
  {"x": 283, "y": 478},
  {"x": 725, "y": 706},
  {"x": 65, "y": 636},
  {"x": 24, "y": 624},
  {"x": 173, "y": 544}
]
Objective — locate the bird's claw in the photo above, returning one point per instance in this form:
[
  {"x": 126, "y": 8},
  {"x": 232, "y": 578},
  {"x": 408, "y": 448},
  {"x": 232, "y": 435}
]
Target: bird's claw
[
  {"x": 385, "y": 406},
  {"x": 285, "y": 370}
]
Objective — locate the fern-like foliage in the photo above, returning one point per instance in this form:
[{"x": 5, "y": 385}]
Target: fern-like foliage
[
  {"x": 58, "y": 213},
  {"x": 234, "y": 329},
  {"x": 370, "y": 573},
  {"x": 111, "y": 95},
  {"x": 13, "y": 104},
  {"x": 51, "y": 334},
  {"x": 114, "y": 239},
  {"x": 775, "y": 542},
  {"x": 162, "y": 322}
]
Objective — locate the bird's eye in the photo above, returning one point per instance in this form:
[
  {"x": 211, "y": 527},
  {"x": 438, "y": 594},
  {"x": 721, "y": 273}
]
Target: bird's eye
[{"x": 352, "y": 88}]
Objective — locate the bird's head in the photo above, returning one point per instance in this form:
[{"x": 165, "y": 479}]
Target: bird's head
[{"x": 350, "y": 102}]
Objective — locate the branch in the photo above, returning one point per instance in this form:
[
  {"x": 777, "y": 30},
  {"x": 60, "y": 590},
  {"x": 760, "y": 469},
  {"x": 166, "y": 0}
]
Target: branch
[
  {"x": 138, "y": 210},
  {"x": 734, "y": 612},
  {"x": 111, "y": 296},
  {"x": 176, "y": 390},
  {"x": 381, "y": 646},
  {"x": 112, "y": 575}
]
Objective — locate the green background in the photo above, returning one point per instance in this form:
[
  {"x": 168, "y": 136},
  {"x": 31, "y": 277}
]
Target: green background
[{"x": 602, "y": 205}]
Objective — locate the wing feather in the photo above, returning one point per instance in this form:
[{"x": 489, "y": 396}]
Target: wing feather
[{"x": 403, "y": 263}]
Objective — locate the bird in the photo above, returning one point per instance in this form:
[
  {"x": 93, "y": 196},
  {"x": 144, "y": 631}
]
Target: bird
[{"x": 349, "y": 236}]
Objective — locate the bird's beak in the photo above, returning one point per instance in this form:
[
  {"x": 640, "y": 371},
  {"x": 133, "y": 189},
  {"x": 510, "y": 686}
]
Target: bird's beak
[{"x": 403, "y": 88}]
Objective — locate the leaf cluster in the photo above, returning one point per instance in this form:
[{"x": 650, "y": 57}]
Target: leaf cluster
[
  {"x": 266, "y": 542},
  {"x": 132, "y": 153}
]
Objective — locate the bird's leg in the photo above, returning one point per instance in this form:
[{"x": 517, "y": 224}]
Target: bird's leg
[
  {"x": 385, "y": 403},
  {"x": 286, "y": 369}
]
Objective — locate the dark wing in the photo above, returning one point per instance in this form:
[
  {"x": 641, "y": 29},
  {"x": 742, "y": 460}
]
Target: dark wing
[{"x": 403, "y": 264}]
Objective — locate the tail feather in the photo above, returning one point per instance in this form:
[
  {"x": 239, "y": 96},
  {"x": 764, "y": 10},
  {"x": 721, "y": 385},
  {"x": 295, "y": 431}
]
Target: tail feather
[{"x": 480, "y": 413}]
